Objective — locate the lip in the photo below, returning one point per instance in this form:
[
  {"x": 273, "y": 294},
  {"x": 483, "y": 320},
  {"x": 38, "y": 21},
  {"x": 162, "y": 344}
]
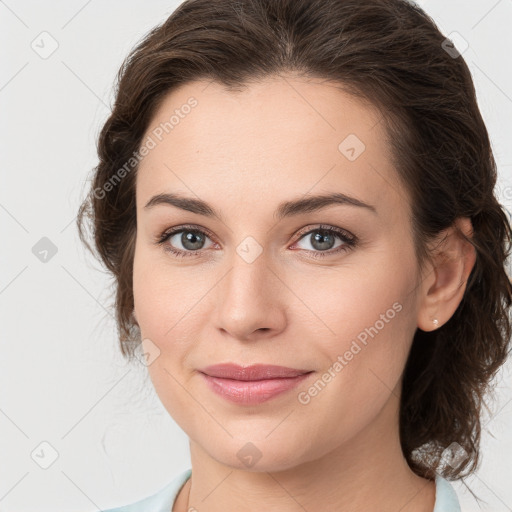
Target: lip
[
  {"x": 253, "y": 372},
  {"x": 251, "y": 385}
]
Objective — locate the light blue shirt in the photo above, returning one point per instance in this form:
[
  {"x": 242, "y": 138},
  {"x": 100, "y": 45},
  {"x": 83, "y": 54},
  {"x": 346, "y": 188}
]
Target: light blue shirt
[{"x": 163, "y": 500}]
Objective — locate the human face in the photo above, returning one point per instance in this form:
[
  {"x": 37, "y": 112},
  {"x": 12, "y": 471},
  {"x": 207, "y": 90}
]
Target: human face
[{"x": 252, "y": 288}]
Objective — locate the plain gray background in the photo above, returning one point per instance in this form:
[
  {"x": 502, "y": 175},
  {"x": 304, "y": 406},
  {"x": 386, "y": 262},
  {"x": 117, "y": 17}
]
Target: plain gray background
[{"x": 65, "y": 390}]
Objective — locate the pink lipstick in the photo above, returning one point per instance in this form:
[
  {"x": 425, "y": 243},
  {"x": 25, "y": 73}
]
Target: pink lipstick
[{"x": 250, "y": 385}]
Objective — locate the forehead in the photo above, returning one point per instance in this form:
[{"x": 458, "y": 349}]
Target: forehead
[{"x": 275, "y": 139}]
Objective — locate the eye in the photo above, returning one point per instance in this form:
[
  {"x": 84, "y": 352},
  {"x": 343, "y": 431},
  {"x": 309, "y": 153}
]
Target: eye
[
  {"x": 191, "y": 240},
  {"x": 322, "y": 241}
]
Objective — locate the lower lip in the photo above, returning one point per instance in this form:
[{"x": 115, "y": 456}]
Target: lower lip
[{"x": 252, "y": 392}]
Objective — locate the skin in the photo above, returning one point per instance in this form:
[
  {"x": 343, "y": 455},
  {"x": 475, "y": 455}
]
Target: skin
[{"x": 244, "y": 153}]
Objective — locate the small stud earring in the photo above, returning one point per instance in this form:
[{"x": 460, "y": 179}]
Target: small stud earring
[{"x": 436, "y": 322}]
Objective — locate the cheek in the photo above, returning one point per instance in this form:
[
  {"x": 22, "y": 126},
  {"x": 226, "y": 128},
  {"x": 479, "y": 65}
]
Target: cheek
[
  {"x": 165, "y": 296},
  {"x": 367, "y": 324},
  {"x": 361, "y": 375},
  {"x": 363, "y": 301}
]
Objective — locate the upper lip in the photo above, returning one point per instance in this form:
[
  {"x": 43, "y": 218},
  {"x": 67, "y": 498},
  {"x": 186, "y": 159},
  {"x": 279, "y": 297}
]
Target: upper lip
[{"x": 253, "y": 372}]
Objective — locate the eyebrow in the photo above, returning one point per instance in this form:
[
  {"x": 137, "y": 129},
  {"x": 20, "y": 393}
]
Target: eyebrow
[{"x": 285, "y": 209}]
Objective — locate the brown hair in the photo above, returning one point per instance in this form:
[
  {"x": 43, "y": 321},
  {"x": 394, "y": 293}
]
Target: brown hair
[{"x": 392, "y": 55}]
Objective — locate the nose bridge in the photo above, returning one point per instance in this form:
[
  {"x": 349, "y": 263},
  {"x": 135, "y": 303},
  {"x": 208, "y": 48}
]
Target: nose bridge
[
  {"x": 250, "y": 278},
  {"x": 248, "y": 297}
]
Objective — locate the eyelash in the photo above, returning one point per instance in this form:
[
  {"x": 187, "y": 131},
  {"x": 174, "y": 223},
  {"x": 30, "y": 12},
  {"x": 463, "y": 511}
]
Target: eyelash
[{"x": 349, "y": 240}]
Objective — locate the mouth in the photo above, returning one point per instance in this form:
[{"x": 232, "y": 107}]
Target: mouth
[
  {"x": 252, "y": 385},
  {"x": 252, "y": 373}
]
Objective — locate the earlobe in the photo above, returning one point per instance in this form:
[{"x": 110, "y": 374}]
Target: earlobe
[{"x": 453, "y": 259}]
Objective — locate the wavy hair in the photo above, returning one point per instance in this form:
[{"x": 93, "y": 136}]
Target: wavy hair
[{"x": 390, "y": 54}]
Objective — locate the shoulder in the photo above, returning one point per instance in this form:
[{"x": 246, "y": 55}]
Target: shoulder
[
  {"x": 446, "y": 497},
  {"x": 161, "y": 501}
]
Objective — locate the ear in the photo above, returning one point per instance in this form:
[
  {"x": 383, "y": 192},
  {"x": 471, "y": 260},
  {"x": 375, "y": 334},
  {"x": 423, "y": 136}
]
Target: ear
[{"x": 444, "y": 286}]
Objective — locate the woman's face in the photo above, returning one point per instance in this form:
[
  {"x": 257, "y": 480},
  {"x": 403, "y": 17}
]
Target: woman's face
[{"x": 261, "y": 283}]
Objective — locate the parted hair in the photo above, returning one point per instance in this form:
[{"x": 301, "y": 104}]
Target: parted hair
[{"x": 392, "y": 55}]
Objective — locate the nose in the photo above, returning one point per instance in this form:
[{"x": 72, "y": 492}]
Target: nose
[{"x": 251, "y": 300}]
